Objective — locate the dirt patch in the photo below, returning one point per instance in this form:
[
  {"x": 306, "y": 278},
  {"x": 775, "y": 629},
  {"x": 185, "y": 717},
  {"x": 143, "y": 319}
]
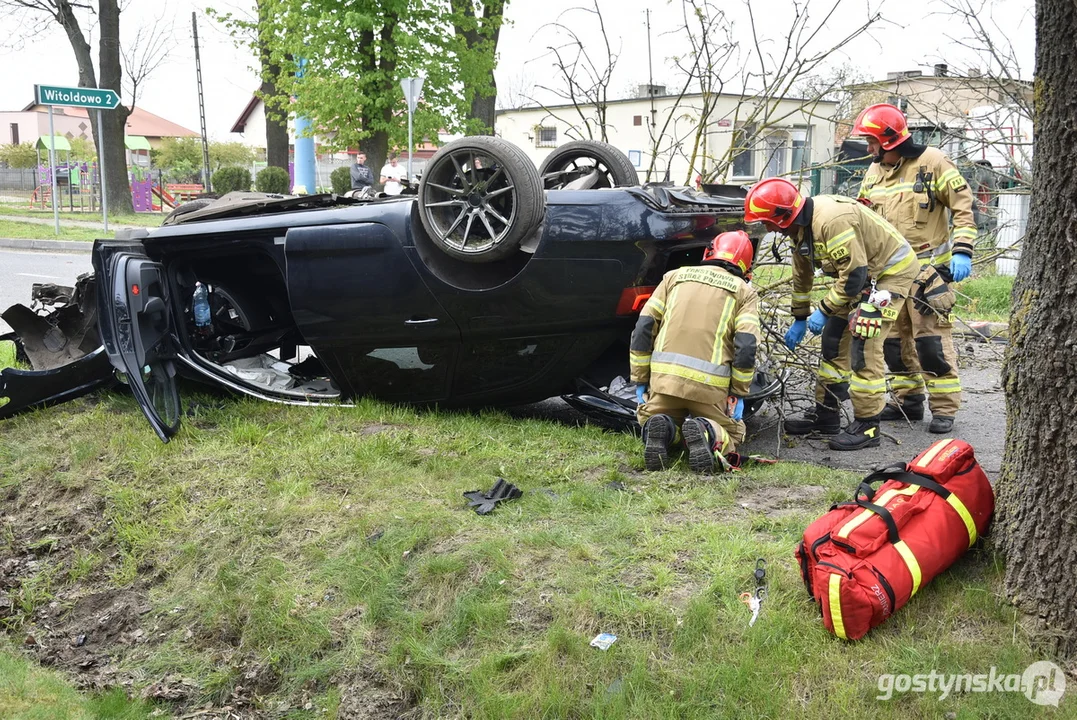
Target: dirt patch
[
  {"x": 776, "y": 502},
  {"x": 362, "y": 697},
  {"x": 375, "y": 429}
]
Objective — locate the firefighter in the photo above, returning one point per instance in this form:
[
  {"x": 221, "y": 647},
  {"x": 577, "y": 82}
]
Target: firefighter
[
  {"x": 913, "y": 186},
  {"x": 693, "y": 353},
  {"x": 865, "y": 255}
]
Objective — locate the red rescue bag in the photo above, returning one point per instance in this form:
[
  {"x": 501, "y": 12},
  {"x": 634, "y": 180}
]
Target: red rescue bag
[{"x": 865, "y": 558}]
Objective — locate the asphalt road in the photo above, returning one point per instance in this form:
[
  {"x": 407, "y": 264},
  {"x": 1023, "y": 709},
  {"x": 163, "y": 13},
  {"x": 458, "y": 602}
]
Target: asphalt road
[{"x": 20, "y": 269}]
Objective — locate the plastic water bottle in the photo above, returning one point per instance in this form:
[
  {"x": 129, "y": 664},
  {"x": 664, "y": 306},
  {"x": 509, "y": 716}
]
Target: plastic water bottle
[{"x": 200, "y": 305}]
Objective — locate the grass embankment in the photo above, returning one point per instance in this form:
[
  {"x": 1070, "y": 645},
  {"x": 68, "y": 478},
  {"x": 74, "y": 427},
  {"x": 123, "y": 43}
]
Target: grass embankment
[
  {"x": 140, "y": 219},
  {"x": 300, "y": 560},
  {"x": 35, "y": 231}
]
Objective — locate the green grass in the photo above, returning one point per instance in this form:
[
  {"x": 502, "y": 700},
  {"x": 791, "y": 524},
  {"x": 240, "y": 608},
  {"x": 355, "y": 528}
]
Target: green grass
[
  {"x": 34, "y": 231},
  {"x": 141, "y": 219},
  {"x": 985, "y": 297},
  {"x": 28, "y": 692},
  {"x": 309, "y": 555}
]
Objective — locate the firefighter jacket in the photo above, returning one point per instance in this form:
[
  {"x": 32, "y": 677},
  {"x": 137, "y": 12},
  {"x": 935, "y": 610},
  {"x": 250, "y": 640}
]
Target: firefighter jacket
[
  {"x": 914, "y": 196},
  {"x": 851, "y": 244},
  {"x": 697, "y": 335}
]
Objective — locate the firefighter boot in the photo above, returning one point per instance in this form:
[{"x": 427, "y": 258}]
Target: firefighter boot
[
  {"x": 703, "y": 443},
  {"x": 658, "y": 434},
  {"x": 861, "y": 433},
  {"x": 911, "y": 405},
  {"x": 823, "y": 420},
  {"x": 941, "y": 425}
]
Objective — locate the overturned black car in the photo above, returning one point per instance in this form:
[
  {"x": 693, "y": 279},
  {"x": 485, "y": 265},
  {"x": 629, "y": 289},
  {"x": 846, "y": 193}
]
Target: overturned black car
[{"x": 495, "y": 283}]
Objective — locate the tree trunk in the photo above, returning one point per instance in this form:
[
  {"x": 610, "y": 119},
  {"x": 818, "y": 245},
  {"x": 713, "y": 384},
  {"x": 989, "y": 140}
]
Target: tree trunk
[
  {"x": 114, "y": 121},
  {"x": 1036, "y": 524},
  {"x": 276, "y": 119},
  {"x": 481, "y": 35},
  {"x": 276, "y": 130}
]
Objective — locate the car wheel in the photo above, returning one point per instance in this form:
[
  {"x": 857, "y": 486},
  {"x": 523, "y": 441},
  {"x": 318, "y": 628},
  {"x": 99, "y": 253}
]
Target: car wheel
[
  {"x": 589, "y": 164},
  {"x": 479, "y": 198},
  {"x": 188, "y": 207}
]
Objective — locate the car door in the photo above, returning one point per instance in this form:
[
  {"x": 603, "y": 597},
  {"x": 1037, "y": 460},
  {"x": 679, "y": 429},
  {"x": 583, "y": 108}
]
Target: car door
[
  {"x": 365, "y": 311},
  {"x": 135, "y": 321}
]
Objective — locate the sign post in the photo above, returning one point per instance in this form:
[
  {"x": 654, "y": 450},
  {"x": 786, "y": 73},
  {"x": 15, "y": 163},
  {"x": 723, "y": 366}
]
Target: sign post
[
  {"x": 94, "y": 98},
  {"x": 411, "y": 87}
]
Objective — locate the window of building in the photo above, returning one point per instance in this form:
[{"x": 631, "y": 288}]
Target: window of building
[
  {"x": 776, "y": 148},
  {"x": 14, "y": 133},
  {"x": 744, "y": 151},
  {"x": 637, "y": 120},
  {"x": 801, "y": 153},
  {"x": 899, "y": 102},
  {"x": 546, "y": 137}
]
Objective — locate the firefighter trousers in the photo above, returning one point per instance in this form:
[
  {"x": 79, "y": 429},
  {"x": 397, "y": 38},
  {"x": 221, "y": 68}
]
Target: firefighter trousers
[
  {"x": 920, "y": 355},
  {"x": 856, "y": 366},
  {"x": 731, "y": 431}
]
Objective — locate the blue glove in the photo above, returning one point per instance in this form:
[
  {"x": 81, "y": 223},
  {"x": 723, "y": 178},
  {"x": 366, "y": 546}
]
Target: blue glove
[
  {"x": 960, "y": 266},
  {"x": 795, "y": 333},
  {"x": 640, "y": 390},
  {"x": 738, "y": 409},
  {"x": 816, "y": 321}
]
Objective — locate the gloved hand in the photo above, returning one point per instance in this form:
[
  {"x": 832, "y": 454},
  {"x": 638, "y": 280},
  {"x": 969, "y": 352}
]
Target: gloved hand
[
  {"x": 736, "y": 406},
  {"x": 960, "y": 266},
  {"x": 641, "y": 389},
  {"x": 795, "y": 334},
  {"x": 816, "y": 321},
  {"x": 866, "y": 321}
]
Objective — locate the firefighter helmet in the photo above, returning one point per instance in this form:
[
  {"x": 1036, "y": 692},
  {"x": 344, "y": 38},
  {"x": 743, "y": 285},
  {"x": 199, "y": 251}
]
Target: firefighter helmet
[
  {"x": 774, "y": 200},
  {"x": 883, "y": 122},
  {"x": 734, "y": 249}
]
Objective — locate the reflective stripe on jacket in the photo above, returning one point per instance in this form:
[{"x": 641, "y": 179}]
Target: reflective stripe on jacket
[
  {"x": 894, "y": 194},
  {"x": 696, "y": 337},
  {"x": 853, "y": 245}
]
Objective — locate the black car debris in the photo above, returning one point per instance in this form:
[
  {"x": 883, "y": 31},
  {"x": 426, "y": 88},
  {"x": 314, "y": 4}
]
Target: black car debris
[{"x": 493, "y": 283}]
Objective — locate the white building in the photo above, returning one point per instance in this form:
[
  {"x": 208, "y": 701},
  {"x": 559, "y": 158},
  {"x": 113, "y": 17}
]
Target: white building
[{"x": 751, "y": 138}]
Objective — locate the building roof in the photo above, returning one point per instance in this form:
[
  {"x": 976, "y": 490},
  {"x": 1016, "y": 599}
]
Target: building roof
[
  {"x": 667, "y": 96},
  {"x": 938, "y": 79},
  {"x": 241, "y": 122},
  {"x": 139, "y": 122}
]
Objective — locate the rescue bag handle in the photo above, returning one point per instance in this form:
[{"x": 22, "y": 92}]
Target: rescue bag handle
[{"x": 902, "y": 475}]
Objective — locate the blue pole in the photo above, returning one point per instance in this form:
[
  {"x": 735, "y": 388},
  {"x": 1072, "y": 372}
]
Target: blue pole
[
  {"x": 304, "y": 158},
  {"x": 305, "y": 170}
]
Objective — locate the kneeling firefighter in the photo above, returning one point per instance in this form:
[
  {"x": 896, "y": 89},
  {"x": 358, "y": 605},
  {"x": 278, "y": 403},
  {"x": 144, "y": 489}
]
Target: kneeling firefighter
[
  {"x": 873, "y": 268},
  {"x": 693, "y": 354}
]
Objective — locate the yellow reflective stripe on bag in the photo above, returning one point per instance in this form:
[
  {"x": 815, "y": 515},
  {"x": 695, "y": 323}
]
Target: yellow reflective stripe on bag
[{"x": 835, "y": 605}]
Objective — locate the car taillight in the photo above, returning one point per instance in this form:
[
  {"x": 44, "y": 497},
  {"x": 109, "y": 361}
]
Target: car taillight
[
  {"x": 634, "y": 298},
  {"x": 135, "y": 290}
]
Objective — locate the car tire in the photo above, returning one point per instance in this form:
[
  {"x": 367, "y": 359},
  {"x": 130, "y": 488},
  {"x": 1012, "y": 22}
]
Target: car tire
[
  {"x": 573, "y": 160},
  {"x": 188, "y": 207},
  {"x": 479, "y": 198}
]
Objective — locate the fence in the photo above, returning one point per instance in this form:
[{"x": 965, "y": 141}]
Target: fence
[
  {"x": 1012, "y": 222},
  {"x": 15, "y": 179}
]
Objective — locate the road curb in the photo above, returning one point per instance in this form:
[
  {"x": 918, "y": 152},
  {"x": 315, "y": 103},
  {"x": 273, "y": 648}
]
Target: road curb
[{"x": 53, "y": 245}]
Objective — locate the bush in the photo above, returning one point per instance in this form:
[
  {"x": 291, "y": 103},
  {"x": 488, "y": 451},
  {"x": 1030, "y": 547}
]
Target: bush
[
  {"x": 272, "y": 180},
  {"x": 341, "y": 179},
  {"x": 229, "y": 179}
]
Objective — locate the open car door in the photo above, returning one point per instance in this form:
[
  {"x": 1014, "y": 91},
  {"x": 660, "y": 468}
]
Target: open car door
[{"x": 137, "y": 331}]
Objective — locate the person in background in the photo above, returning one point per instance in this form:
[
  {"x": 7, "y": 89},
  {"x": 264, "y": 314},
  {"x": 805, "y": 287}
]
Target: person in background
[
  {"x": 391, "y": 175},
  {"x": 693, "y": 353},
  {"x": 362, "y": 176}
]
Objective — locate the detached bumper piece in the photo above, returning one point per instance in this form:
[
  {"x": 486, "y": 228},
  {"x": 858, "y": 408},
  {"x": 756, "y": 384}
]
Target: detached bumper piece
[
  {"x": 485, "y": 502},
  {"x": 62, "y": 347}
]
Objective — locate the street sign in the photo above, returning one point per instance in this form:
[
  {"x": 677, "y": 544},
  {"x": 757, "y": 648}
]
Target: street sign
[
  {"x": 412, "y": 87},
  {"x": 77, "y": 97}
]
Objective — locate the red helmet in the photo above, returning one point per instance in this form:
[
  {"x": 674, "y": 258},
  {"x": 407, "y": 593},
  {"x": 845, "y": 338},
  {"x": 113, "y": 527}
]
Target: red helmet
[
  {"x": 775, "y": 200},
  {"x": 734, "y": 248},
  {"x": 883, "y": 122}
]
